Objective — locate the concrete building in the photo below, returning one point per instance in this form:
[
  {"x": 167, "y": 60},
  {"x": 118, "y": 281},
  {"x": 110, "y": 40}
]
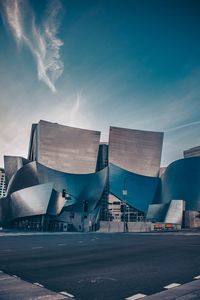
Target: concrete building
[{"x": 2, "y": 183}]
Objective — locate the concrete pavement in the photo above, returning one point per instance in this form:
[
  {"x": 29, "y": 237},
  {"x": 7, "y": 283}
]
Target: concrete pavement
[
  {"x": 102, "y": 266},
  {"x": 188, "y": 291},
  {"x": 14, "y": 288}
]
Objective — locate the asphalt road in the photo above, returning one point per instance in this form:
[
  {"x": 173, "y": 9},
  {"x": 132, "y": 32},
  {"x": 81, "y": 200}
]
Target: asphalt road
[{"x": 102, "y": 266}]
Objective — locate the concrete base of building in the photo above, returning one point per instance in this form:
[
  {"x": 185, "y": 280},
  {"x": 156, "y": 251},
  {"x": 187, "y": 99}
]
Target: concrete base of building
[
  {"x": 106, "y": 226},
  {"x": 114, "y": 226}
]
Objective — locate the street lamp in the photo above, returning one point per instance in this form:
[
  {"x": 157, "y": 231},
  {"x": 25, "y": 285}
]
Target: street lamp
[
  {"x": 125, "y": 193},
  {"x": 85, "y": 210},
  {"x": 85, "y": 207},
  {"x": 108, "y": 218},
  {"x": 67, "y": 196}
]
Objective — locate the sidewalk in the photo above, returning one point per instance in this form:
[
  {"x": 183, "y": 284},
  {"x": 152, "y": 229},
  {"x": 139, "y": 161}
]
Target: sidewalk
[
  {"x": 14, "y": 288},
  {"x": 18, "y": 233},
  {"x": 185, "y": 232},
  {"x": 188, "y": 291}
]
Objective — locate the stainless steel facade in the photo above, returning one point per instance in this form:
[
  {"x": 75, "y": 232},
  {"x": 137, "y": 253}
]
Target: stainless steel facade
[
  {"x": 63, "y": 158},
  {"x": 180, "y": 194},
  {"x": 12, "y": 164},
  {"x": 157, "y": 212},
  {"x": 136, "y": 151},
  {"x": 102, "y": 162},
  {"x": 69, "y": 176},
  {"x": 134, "y": 157},
  {"x": 140, "y": 190},
  {"x": 64, "y": 148},
  {"x": 175, "y": 211},
  {"x": 31, "y": 201},
  {"x": 38, "y": 190},
  {"x": 171, "y": 212},
  {"x": 181, "y": 180}
]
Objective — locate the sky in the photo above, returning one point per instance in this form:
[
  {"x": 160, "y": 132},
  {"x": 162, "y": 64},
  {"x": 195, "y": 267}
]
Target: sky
[{"x": 94, "y": 64}]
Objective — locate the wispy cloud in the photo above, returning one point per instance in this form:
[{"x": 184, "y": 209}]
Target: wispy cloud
[
  {"x": 14, "y": 18},
  {"x": 41, "y": 39}
]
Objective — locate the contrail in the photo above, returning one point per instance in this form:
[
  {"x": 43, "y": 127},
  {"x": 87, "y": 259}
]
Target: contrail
[
  {"x": 182, "y": 126},
  {"x": 75, "y": 109}
]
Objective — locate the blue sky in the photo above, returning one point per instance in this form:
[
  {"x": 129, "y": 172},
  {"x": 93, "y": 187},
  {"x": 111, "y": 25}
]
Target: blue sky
[{"x": 93, "y": 64}]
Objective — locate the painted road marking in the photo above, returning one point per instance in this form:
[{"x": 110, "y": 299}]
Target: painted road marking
[
  {"x": 171, "y": 286},
  {"x": 39, "y": 247},
  {"x": 4, "y": 278},
  {"x": 62, "y": 244},
  {"x": 45, "y": 297},
  {"x": 197, "y": 277},
  {"x": 6, "y": 250},
  {"x": 136, "y": 296},
  {"x": 1, "y": 271},
  {"x": 38, "y": 284},
  {"x": 67, "y": 294},
  {"x": 197, "y": 234}
]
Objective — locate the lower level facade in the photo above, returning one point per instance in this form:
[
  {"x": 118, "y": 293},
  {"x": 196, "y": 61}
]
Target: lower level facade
[{"x": 42, "y": 199}]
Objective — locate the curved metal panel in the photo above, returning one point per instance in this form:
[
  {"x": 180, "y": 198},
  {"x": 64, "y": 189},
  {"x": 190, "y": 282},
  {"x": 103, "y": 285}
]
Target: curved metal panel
[
  {"x": 81, "y": 187},
  {"x": 36, "y": 189},
  {"x": 56, "y": 203},
  {"x": 64, "y": 148},
  {"x": 192, "y": 152},
  {"x": 2, "y": 200},
  {"x": 31, "y": 201},
  {"x": 137, "y": 151},
  {"x": 141, "y": 190},
  {"x": 12, "y": 164},
  {"x": 23, "y": 178},
  {"x": 181, "y": 180},
  {"x": 157, "y": 212},
  {"x": 174, "y": 213}
]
